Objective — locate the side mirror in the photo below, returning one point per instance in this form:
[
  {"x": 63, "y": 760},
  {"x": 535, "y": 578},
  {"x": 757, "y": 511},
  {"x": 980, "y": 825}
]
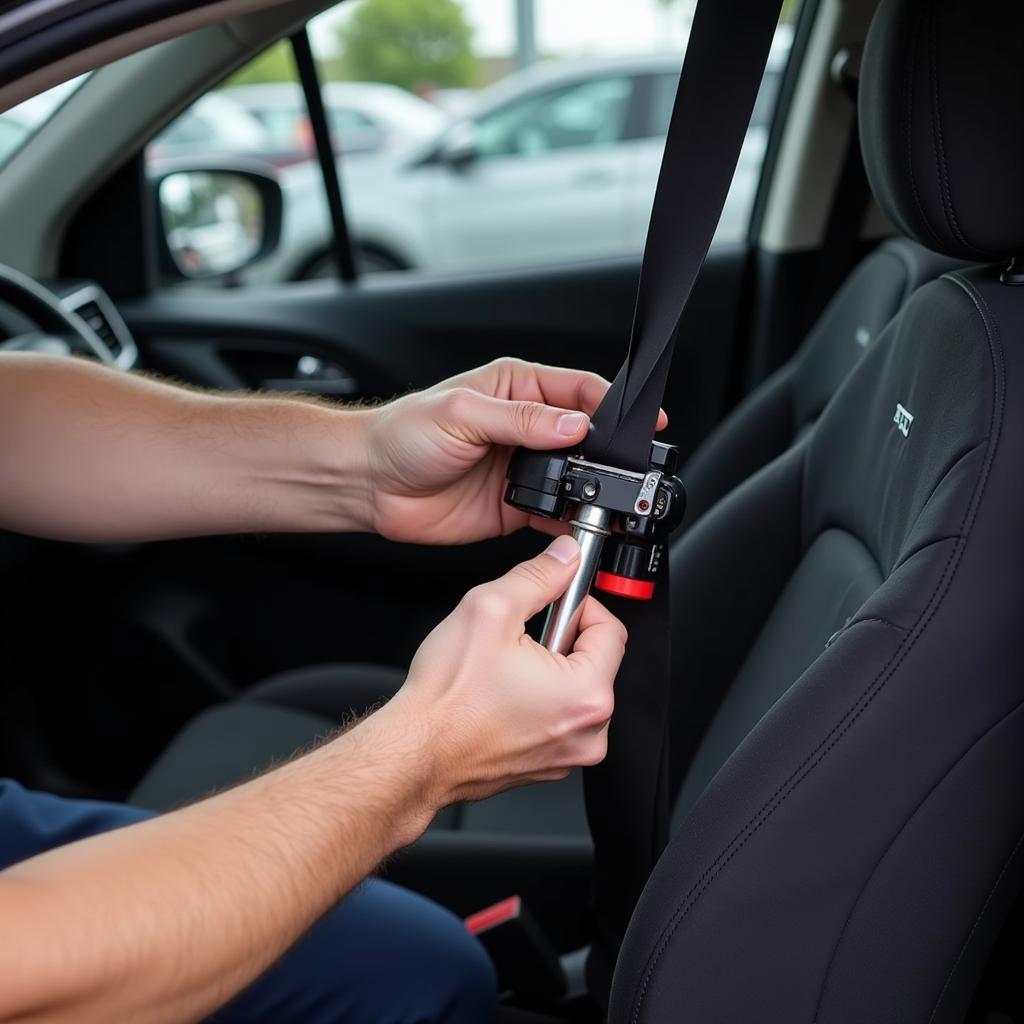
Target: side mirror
[
  {"x": 460, "y": 146},
  {"x": 216, "y": 221}
]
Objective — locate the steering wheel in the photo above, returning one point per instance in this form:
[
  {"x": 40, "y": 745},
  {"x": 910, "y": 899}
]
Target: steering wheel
[{"x": 60, "y": 332}]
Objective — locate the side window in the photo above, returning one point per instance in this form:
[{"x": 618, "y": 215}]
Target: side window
[
  {"x": 591, "y": 113},
  {"x": 739, "y": 203},
  {"x": 344, "y": 119},
  {"x": 441, "y": 115},
  {"x": 663, "y": 96}
]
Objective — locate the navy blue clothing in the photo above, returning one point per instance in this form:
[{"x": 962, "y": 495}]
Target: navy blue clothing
[{"x": 383, "y": 955}]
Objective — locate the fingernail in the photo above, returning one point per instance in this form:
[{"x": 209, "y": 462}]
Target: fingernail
[
  {"x": 571, "y": 423},
  {"x": 564, "y": 548}
]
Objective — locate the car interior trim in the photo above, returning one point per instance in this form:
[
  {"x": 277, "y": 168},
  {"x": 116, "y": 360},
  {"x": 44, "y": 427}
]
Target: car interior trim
[
  {"x": 814, "y": 140},
  {"x": 66, "y": 160},
  {"x": 132, "y": 41}
]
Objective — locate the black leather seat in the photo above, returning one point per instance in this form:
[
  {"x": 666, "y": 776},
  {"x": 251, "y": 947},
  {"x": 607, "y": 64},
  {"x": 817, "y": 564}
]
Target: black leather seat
[
  {"x": 848, "y": 734},
  {"x": 783, "y": 408},
  {"x": 227, "y": 743}
]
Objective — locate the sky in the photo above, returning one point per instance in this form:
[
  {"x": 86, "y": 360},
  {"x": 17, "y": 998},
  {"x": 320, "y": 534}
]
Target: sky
[{"x": 569, "y": 27}]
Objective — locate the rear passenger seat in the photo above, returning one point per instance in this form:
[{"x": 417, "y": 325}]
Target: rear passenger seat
[{"x": 225, "y": 744}]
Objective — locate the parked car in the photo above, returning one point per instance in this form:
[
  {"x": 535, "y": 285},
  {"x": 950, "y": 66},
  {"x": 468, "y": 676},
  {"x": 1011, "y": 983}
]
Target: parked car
[
  {"x": 556, "y": 162},
  {"x": 216, "y": 125},
  {"x": 454, "y": 102},
  {"x": 365, "y": 117}
]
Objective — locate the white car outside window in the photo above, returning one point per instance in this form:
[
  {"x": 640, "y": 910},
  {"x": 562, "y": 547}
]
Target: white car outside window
[
  {"x": 556, "y": 163},
  {"x": 552, "y": 164}
]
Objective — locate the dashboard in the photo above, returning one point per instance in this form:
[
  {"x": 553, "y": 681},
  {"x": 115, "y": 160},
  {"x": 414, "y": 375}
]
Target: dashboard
[
  {"x": 91, "y": 303},
  {"x": 63, "y": 318}
]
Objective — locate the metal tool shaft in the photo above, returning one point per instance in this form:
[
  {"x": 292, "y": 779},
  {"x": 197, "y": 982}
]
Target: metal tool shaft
[{"x": 590, "y": 527}]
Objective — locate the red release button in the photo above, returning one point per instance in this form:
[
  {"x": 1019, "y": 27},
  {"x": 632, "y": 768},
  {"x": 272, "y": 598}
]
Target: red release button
[
  {"x": 623, "y": 586},
  {"x": 497, "y": 913}
]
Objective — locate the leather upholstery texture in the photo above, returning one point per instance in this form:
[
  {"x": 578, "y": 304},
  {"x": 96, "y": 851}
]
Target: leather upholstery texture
[
  {"x": 853, "y": 699},
  {"x": 786, "y": 405},
  {"x": 848, "y": 719},
  {"x": 941, "y": 94}
]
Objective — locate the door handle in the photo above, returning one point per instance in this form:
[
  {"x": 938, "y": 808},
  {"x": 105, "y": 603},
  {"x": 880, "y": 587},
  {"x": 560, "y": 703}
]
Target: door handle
[{"x": 315, "y": 376}]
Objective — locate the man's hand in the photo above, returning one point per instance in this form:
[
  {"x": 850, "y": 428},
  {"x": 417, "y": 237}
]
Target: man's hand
[
  {"x": 103, "y": 456},
  {"x": 438, "y": 458},
  {"x": 499, "y": 709},
  {"x": 168, "y": 919}
]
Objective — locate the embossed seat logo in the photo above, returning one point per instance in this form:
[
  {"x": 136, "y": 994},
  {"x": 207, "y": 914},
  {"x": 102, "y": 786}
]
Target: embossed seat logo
[{"x": 903, "y": 420}]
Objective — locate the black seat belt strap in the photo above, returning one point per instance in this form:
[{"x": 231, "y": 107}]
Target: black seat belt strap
[
  {"x": 621, "y": 490},
  {"x": 725, "y": 59}
]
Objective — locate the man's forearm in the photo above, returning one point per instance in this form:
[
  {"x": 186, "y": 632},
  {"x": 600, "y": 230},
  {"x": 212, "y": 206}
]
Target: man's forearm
[
  {"x": 96, "y": 455},
  {"x": 165, "y": 920}
]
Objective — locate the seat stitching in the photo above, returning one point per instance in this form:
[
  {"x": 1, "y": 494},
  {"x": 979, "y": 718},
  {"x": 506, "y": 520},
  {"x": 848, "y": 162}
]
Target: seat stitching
[
  {"x": 908, "y": 88},
  {"x": 984, "y": 734},
  {"x": 940, "y": 161},
  {"x": 880, "y": 620},
  {"x": 974, "y": 927},
  {"x": 906, "y": 556},
  {"x": 854, "y": 712},
  {"x": 957, "y": 459},
  {"x": 984, "y": 311},
  {"x": 924, "y": 546},
  {"x": 938, "y": 143}
]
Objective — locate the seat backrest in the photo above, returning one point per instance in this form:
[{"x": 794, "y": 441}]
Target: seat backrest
[
  {"x": 781, "y": 409},
  {"x": 848, "y": 735}
]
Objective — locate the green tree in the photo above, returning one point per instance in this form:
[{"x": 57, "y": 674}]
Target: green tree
[
  {"x": 789, "y": 8},
  {"x": 273, "y": 65},
  {"x": 409, "y": 43}
]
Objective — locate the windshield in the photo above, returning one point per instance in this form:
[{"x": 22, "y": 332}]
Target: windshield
[{"x": 20, "y": 123}]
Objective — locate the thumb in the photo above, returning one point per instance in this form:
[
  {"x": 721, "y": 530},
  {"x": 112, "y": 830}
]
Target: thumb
[
  {"x": 531, "y": 424},
  {"x": 531, "y": 585}
]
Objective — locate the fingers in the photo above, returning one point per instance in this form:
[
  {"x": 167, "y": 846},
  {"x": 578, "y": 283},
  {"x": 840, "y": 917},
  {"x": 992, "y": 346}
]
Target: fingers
[
  {"x": 552, "y": 527},
  {"x": 539, "y": 407},
  {"x": 569, "y": 389},
  {"x": 574, "y": 389},
  {"x": 602, "y": 640},
  {"x": 482, "y": 419},
  {"x": 529, "y": 587}
]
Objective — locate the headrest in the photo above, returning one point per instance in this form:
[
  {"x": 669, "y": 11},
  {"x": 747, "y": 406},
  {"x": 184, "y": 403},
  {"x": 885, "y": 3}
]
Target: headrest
[{"x": 942, "y": 123}]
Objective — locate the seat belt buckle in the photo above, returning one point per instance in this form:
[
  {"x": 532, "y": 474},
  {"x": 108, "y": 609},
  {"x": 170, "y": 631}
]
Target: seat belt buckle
[
  {"x": 621, "y": 519},
  {"x": 526, "y": 962}
]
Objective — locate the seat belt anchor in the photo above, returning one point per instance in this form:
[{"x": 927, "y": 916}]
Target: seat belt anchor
[{"x": 620, "y": 518}]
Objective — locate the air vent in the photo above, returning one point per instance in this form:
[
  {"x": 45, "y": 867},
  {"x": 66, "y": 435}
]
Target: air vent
[
  {"x": 91, "y": 313},
  {"x": 92, "y": 304}
]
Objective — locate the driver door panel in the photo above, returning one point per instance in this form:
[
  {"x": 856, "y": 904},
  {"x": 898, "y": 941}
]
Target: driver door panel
[{"x": 400, "y": 332}]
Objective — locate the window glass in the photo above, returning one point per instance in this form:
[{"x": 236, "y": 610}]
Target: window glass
[
  {"x": 20, "y": 123},
  {"x": 473, "y": 135},
  {"x": 591, "y": 113}
]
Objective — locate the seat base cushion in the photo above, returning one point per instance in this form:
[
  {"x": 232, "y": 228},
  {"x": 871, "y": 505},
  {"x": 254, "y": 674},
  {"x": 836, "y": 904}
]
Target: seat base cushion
[
  {"x": 286, "y": 713},
  {"x": 292, "y": 711}
]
